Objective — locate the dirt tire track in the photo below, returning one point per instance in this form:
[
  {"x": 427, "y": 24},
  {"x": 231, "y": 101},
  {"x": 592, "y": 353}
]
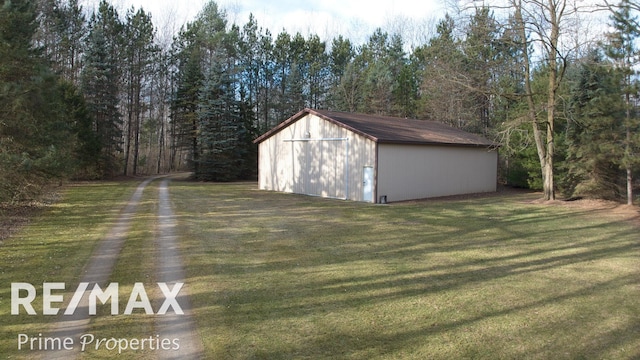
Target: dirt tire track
[
  {"x": 100, "y": 266},
  {"x": 170, "y": 270},
  {"x": 97, "y": 271}
]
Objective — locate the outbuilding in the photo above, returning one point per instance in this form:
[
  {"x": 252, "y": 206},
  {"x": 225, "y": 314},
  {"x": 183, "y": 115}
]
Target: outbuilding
[{"x": 372, "y": 158}]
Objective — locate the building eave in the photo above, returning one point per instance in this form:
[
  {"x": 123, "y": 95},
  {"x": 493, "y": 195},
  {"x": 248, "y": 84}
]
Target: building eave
[{"x": 448, "y": 135}]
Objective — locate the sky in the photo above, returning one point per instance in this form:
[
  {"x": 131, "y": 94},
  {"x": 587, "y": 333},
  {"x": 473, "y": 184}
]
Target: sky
[{"x": 325, "y": 18}]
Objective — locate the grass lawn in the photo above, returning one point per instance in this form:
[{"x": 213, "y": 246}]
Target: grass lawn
[
  {"x": 280, "y": 276},
  {"x": 54, "y": 247}
]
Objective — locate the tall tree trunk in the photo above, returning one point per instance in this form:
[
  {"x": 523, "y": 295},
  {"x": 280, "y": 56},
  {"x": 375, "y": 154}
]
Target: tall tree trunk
[
  {"x": 629, "y": 186},
  {"x": 127, "y": 145},
  {"x": 130, "y": 120},
  {"x": 627, "y": 153},
  {"x": 160, "y": 142},
  {"x": 194, "y": 145},
  {"x": 531, "y": 107},
  {"x": 136, "y": 145},
  {"x": 548, "y": 186},
  {"x": 173, "y": 147},
  {"x": 543, "y": 130},
  {"x": 137, "y": 106}
]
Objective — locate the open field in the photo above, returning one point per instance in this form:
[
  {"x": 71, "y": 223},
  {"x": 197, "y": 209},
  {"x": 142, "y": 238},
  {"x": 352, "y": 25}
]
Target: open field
[{"x": 280, "y": 276}]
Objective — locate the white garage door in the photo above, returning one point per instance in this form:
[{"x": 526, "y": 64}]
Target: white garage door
[{"x": 319, "y": 167}]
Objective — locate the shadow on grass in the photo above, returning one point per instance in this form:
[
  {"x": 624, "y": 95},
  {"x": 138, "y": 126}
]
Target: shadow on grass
[
  {"x": 383, "y": 343},
  {"x": 54, "y": 248},
  {"x": 488, "y": 277}
]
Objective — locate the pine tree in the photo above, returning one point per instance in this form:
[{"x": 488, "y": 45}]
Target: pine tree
[
  {"x": 378, "y": 78},
  {"x": 220, "y": 126},
  {"x": 283, "y": 59},
  {"x": 60, "y": 34},
  {"x": 85, "y": 141},
  {"x": 341, "y": 56},
  {"x": 481, "y": 65},
  {"x": 36, "y": 132},
  {"x": 184, "y": 107},
  {"x": 18, "y": 64},
  {"x": 220, "y": 130},
  {"x": 208, "y": 112},
  {"x": 622, "y": 51},
  {"x": 71, "y": 25},
  {"x": 101, "y": 82},
  {"x": 317, "y": 62},
  {"x": 139, "y": 50},
  {"x": 594, "y": 138},
  {"x": 443, "y": 99}
]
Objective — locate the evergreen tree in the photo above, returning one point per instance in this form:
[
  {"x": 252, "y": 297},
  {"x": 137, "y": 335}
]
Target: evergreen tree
[
  {"x": 350, "y": 93},
  {"x": 594, "y": 138},
  {"x": 621, "y": 49},
  {"x": 207, "y": 110},
  {"x": 101, "y": 82},
  {"x": 377, "y": 80},
  {"x": 341, "y": 56},
  {"x": 184, "y": 107},
  {"x": 293, "y": 98},
  {"x": 220, "y": 130},
  {"x": 481, "y": 65},
  {"x": 62, "y": 27},
  {"x": 71, "y": 24},
  {"x": 266, "y": 72},
  {"x": 283, "y": 59},
  {"x": 18, "y": 64},
  {"x": 443, "y": 99},
  {"x": 37, "y": 139},
  {"x": 379, "y": 76},
  {"x": 404, "y": 92},
  {"x": 317, "y": 63},
  {"x": 249, "y": 50},
  {"x": 159, "y": 110},
  {"x": 140, "y": 51}
]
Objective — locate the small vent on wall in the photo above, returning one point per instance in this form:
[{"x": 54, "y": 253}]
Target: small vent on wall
[{"x": 383, "y": 199}]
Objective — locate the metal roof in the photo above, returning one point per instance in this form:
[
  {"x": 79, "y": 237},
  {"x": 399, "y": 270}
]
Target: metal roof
[{"x": 390, "y": 130}]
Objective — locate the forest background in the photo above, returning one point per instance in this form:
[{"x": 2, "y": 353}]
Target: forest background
[{"x": 93, "y": 95}]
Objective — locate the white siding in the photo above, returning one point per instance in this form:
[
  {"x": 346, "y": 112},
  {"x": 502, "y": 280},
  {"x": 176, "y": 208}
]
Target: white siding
[
  {"x": 413, "y": 172},
  {"x": 315, "y": 157}
]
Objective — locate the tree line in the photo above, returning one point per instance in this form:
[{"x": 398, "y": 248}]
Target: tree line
[{"x": 94, "y": 95}]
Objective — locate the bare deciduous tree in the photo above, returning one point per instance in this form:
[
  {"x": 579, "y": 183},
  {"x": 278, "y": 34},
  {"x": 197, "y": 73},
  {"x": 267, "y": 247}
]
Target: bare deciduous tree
[{"x": 540, "y": 24}]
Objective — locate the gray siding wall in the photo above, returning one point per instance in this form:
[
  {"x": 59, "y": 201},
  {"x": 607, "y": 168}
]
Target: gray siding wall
[
  {"x": 315, "y": 157},
  {"x": 413, "y": 172}
]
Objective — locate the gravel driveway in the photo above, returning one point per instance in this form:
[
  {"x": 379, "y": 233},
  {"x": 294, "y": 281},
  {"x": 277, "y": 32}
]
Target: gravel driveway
[{"x": 169, "y": 270}]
